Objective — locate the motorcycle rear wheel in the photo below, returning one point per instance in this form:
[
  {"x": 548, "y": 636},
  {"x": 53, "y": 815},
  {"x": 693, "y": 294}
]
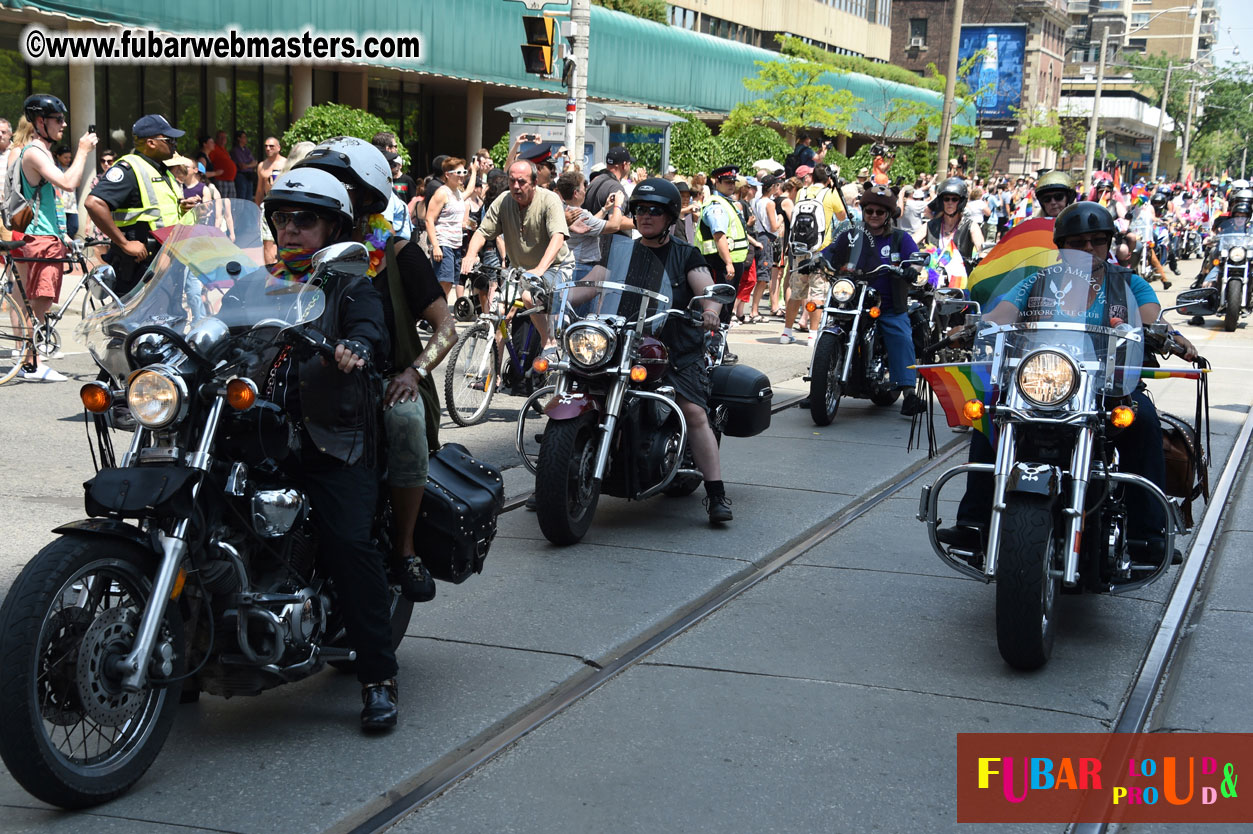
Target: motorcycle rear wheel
[
  {"x": 824, "y": 379},
  {"x": 70, "y": 735},
  {"x": 1026, "y": 590},
  {"x": 565, "y": 495},
  {"x": 1235, "y": 300}
]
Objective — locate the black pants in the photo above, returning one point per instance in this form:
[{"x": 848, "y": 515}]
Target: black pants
[
  {"x": 343, "y": 499},
  {"x": 718, "y": 269},
  {"x": 1139, "y": 452},
  {"x": 128, "y": 270}
]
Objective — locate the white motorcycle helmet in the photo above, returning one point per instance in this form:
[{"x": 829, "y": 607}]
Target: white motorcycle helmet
[
  {"x": 359, "y": 165},
  {"x": 313, "y": 189}
]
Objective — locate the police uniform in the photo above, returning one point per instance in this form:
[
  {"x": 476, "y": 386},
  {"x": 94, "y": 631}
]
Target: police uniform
[
  {"x": 719, "y": 215},
  {"x": 142, "y": 195}
]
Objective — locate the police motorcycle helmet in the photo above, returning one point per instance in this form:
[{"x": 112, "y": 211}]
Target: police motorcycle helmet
[
  {"x": 1082, "y": 218},
  {"x": 952, "y": 185},
  {"x": 1056, "y": 181},
  {"x": 358, "y": 165},
  {"x": 881, "y": 195},
  {"x": 1242, "y": 202},
  {"x": 313, "y": 189}
]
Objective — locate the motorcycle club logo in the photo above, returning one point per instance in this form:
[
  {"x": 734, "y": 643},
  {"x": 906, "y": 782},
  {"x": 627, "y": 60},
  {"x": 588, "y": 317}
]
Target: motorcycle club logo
[
  {"x": 886, "y": 251},
  {"x": 1061, "y": 294}
]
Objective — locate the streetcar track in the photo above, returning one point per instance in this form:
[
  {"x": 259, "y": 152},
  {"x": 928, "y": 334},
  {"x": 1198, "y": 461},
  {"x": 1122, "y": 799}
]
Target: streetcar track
[
  {"x": 473, "y": 754},
  {"x": 1183, "y": 601}
]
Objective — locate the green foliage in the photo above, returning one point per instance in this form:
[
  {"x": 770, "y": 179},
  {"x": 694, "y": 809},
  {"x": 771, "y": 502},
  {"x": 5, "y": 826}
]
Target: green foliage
[
  {"x": 1216, "y": 150},
  {"x": 692, "y": 147},
  {"x": 323, "y": 121},
  {"x": 743, "y": 144},
  {"x": 654, "y": 10},
  {"x": 849, "y": 63},
  {"x": 1149, "y": 73},
  {"x": 793, "y": 95},
  {"x": 500, "y": 151},
  {"x": 902, "y": 117},
  {"x": 903, "y": 166}
]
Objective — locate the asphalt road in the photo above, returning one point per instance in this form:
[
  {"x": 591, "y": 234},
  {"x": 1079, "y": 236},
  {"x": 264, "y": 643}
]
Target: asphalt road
[{"x": 826, "y": 698}]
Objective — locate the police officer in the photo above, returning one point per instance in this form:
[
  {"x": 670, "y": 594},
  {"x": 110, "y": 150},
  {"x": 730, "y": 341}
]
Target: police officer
[
  {"x": 136, "y": 195},
  {"x": 720, "y": 234}
]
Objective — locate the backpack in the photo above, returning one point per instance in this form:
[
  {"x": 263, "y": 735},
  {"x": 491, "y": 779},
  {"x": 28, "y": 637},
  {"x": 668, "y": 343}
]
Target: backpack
[
  {"x": 16, "y": 211},
  {"x": 809, "y": 224},
  {"x": 792, "y": 161}
]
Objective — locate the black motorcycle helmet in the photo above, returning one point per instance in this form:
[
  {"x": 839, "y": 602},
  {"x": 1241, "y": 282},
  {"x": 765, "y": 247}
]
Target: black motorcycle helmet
[
  {"x": 1082, "y": 218},
  {"x": 952, "y": 185},
  {"x": 659, "y": 192}
]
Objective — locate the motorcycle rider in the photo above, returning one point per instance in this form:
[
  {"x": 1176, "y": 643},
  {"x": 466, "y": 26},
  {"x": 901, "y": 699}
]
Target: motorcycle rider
[
  {"x": 411, "y": 420},
  {"x": 949, "y": 225},
  {"x": 1084, "y": 227},
  {"x": 1145, "y": 237},
  {"x": 874, "y": 244},
  {"x": 1236, "y": 222},
  {"x": 1055, "y": 190},
  {"x": 655, "y": 206},
  {"x": 334, "y": 408}
]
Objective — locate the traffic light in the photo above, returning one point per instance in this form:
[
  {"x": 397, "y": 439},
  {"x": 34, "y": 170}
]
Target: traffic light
[{"x": 537, "y": 52}]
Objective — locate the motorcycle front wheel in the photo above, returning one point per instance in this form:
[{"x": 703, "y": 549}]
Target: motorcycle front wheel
[
  {"x": 1026, "y": 584},
  {"x": 824, "y": 379},
  {"x": 71, "y": 735},
  {"x": 1235, "y": 300},
  {"x": 565, "y": 494}
]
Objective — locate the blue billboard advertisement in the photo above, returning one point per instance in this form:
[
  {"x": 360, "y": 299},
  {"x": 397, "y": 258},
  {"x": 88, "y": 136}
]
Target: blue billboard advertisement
[{"x": 997, "y": 73}]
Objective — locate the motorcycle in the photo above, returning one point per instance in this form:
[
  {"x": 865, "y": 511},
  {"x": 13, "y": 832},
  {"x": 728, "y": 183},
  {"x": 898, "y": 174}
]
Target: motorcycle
[
  {"x": 1235, "y": 297},
  {"x": 613, "y": 425},
  {"x": 850, "y": 357},
  {"x": 196, "y": 571},
  {"x": 1054, "y": 395}
]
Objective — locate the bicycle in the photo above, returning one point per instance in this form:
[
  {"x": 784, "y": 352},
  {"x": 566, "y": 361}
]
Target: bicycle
[
  {"x": 475, "y": 364},
  {"x": 19, "y": 340}
]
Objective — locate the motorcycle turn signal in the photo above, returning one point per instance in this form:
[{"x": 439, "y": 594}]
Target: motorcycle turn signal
[
  {"x": 1122, "y": 416},
  {"x": 973, "y": 409},
  {"x": 96, "y": 397}
]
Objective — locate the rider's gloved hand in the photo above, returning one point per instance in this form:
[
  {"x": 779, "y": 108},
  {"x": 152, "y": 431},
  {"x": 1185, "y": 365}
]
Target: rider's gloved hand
[{"x": 350, "y": 355}]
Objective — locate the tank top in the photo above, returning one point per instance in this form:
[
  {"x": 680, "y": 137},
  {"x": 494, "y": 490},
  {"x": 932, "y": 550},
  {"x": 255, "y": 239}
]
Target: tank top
[
  {"x": 448, "y": 224},
  {"x": 196, "y": 190},
  {"x": 50, "y": 217},
  {"x": 787, "y": 221},
  {"x": 763, "y": 216}
]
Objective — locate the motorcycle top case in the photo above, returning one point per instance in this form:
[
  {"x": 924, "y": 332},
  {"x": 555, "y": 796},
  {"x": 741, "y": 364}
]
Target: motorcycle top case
[
  {"x": 745, "y": 394},
  {"x": 457, "y": 521}
]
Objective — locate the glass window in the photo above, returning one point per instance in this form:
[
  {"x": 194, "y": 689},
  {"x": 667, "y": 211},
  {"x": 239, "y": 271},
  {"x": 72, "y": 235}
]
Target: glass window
[
  {"x": 12, "y": 74},
  {"x": 276, "y": 103},
  {"x": 324, "y": 86},
  {"x": 159, "y": 90},
  {"x": 918, "y": 28},
  {"x": 248, "y": 109},
  {"x": 1140, "y": 18},
  {"x": 221, "y": 101},
  {"x": 385, "y": 101},
  {"x": 188, "y": 96},
  {"x": 124, "y": 110}
]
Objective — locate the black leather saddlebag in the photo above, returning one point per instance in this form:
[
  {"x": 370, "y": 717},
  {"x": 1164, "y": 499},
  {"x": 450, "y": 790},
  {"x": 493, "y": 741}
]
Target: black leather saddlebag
[
  {"x": 745, "y": 394},
  {"x": 458, "y": 518},
  {"x": 141, "y": 492}
]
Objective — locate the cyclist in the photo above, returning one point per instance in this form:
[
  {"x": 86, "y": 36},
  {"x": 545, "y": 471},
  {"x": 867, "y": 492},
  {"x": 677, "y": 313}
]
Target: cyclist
[
  {"x": 136, "y": 195},
  {"x": 532, "y": 222},
  {"x": 40, "y": 177}
]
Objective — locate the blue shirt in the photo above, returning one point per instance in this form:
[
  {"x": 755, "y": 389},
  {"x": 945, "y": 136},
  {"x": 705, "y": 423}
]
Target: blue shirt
[{"x": 1140, "y": 290}]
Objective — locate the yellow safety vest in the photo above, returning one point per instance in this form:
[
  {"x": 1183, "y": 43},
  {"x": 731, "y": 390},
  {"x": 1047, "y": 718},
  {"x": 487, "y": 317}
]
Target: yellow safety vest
[
  {"x": 158, "y": 196},
  {"x": 736, "y": 234}
]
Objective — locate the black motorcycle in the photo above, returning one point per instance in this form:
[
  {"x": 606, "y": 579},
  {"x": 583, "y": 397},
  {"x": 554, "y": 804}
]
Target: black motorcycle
[
  {"x": 1230, "y": 256},
  {"x": 197, "y": 569},
  {"x": 613, "y": 425}
]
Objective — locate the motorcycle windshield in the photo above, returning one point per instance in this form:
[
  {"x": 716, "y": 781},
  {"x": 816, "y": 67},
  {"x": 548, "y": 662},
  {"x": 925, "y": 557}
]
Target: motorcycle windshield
[
  {"x": 209, "y": 267},
  {"x": 1231, "y": 240},
  {"x": 1068, "y": 309},
  {"x": 631, "y": 284}
]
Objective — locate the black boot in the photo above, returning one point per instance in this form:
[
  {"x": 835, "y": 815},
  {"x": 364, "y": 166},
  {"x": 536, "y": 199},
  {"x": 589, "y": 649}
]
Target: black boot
[
  {"x": 415, "y": 581},
  {"x": 379, "y": 714},
  {"x": 913, "y": 404}
]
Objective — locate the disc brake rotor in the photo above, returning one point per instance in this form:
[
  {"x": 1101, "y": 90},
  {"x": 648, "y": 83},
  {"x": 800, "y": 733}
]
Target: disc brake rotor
[
  {"x": 112, "y": 633},
  {"x": 59, "y": 703}
]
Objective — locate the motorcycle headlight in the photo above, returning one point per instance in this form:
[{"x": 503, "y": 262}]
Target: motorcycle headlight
[
  {"x": 156, "y": 399},
  {"x": 1047, "y": 378},
  {"x": 1236, "y": 254},
  {"x": 842, "y": 290},
  {"x": 589, "y": 344}
]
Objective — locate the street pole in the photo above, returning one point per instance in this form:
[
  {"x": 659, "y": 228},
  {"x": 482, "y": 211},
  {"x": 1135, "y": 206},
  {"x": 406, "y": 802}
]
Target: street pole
[
  {"x": 950, "y": 89},
  {"x": 1161, "y": 119},
  {"x": 1187, "y": 132},
  {"x": 1089, "y": 152},
  {"x": 576, "y": 128}
]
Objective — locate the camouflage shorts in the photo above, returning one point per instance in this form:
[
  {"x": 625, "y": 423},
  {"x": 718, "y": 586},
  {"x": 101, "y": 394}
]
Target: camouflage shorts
[{"x": 408, "y": 457}]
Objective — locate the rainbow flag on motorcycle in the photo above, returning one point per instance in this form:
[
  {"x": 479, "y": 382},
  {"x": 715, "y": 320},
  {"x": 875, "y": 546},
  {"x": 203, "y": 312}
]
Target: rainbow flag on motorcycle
[
  {"x": 955, "y": 384},
  {"x": 1023, "y": 250},
  {"x": 945, "y": 267}
]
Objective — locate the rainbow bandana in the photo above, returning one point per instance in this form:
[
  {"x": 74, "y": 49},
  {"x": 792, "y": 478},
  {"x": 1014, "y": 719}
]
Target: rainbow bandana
[
  {"x": 378, "y": 230},
  {"x": 293, "y": 263}
]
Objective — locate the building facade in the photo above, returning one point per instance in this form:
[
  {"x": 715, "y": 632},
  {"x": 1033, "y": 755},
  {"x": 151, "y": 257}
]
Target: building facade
[{"x": 847, "y": 27}]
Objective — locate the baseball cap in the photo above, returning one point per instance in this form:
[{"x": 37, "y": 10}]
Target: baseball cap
[
  {"x": 753, "y": 181},
  {"x": 177, "y": 160},
  {"x": 392, "y": 156},
  {"x": 864, "y": 173},
  {"x": 670, "y": 169},
  {"x": 154, "y": 125},
  {"x": 617, "y": 156},
  {"x": 804, "y": 171},
  {"x": 598, "y": 168}
]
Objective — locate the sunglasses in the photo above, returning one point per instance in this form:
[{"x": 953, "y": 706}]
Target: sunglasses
[
  {"x": 302, "y": 220},
  {"x": 949, "y": 198},
  {"x": 1084, "y": 242},
  {"x": 461, "y": 172},
  {"x": 1052, "y": 198},
  {"x": 651, "y": 211},
  {"x": 874, "y": 212}
]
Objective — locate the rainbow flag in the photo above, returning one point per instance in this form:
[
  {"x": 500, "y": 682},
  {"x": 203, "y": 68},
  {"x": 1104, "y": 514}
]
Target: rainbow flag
[
  {"x": 1023, "y": 250},
  {"x": 1172, "y": 373},
  {"x": 957, "y": 382},
  {"x": 1139, "y": 196}
]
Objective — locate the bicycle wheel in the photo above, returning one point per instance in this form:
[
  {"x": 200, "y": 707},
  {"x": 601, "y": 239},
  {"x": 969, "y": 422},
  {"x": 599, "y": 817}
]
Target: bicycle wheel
[
  {"x": 12, "y": 337},
  {"x": 472, "y": 375}
]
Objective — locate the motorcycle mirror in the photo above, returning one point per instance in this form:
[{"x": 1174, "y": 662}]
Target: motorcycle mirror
[
  {"x": 721, "y": 293},
  {"x": 1203, "y": 301},
  {"x": 343, "y": 258},
  {"x": 104, "y": 278}
]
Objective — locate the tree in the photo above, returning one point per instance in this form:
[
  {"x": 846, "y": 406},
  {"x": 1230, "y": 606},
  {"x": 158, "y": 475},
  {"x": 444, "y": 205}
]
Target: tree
[
  {"x": 794, "y": 96},
  {"x": 323, "y": 121},
  {"x": 790, "y": 45},
  {"x": 1041, "y": 128},
  {"x": 742, "y": 142},
  {"x": 1149, "y": 74},
  {"x": 654, "y": 10}
]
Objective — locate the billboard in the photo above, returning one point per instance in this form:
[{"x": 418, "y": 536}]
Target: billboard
[{"x": 997, "y": 74}]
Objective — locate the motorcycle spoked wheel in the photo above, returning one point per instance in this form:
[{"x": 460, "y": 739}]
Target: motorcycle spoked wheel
[
  {"x": 824, "y": 379},
  {"x": 70, "y": 735},
  {"x": 565, "y": 494},
  {"x": 1235, "y": 301},
  {"x": 1026, "y": 588}
]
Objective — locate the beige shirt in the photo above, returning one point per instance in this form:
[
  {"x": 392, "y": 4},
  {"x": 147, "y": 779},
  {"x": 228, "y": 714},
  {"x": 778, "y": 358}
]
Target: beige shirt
[{"x": 527, "y": 235}]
